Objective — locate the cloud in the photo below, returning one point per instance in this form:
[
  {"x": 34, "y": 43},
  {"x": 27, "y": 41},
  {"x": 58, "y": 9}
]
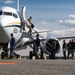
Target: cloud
[
  {"x": 63, "y": 33},
  {"x": 9, "y": 2},
  {"x": 45, "y": 23},
  {"x": 72, "y": 16},
  {"x": 69, "y": 22}
]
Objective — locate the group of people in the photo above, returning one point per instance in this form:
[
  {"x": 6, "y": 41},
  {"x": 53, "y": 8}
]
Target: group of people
[
  {"x": 70, "y": 47},
  {"x": 13, "y": 46},
  {"x": 66, "y": 46}
]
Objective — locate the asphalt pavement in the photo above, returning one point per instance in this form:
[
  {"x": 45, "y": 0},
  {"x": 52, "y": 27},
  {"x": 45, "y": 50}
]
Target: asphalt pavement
[{"x": 37, "y": 67}]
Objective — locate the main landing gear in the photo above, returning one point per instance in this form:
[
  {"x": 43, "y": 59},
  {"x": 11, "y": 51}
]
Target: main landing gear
[
  {"x": 37, "y": 54},
  {"x": 4, "y": 53}
]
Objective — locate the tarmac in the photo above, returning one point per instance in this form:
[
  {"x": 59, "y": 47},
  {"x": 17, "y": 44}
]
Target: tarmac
[{"x": 37, "y": 67}]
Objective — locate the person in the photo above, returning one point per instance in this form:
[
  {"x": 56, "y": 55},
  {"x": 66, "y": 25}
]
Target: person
[
  {"x": 71, "y": 48},
  {"x": 12, "y": 47},
  {"x": 37, "y": 44},
  {"x": 30, "y": 20},
  {"x": 32, "y": 26},
  {"x": 64, "y": 48},
  {"x": 34, "y": 46},
  {"x": 53, "y": 46}
]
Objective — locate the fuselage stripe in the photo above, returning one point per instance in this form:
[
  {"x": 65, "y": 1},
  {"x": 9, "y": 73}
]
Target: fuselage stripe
[{"x": 13, "y": 26}]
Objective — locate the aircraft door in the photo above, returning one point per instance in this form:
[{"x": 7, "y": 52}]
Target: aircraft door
[{"x": 17, "y": 32}]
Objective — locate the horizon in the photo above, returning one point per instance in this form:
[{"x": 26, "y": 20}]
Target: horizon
[{"x": 56, "y": 15}]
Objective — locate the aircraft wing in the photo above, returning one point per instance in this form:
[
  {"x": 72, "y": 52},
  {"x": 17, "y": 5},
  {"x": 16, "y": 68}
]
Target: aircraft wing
[
  {"x": 60, "y": 38},
  {"x": 27, "y": 40},
  {"x": 31, "y": 38},
  {"x": 41, "y": 31},
  {"x": 26, "y": 35}
]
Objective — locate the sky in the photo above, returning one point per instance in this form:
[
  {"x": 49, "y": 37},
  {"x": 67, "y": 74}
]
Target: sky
[
  {"x": 55, "y": 15},
  {"x": 47, "y": 14}
]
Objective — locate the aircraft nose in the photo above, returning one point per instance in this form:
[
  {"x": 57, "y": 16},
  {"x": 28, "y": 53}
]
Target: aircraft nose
[
  {"x": 3, "y": 33},
  {"x": 1, "y": 22}
]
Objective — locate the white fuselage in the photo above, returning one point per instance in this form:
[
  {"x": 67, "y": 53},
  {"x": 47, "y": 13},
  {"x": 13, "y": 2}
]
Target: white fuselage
[{"x": 9, "y": 23}]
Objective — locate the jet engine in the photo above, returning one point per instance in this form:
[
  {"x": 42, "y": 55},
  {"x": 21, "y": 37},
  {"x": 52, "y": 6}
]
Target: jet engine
[{"x": 51, "y": 44}]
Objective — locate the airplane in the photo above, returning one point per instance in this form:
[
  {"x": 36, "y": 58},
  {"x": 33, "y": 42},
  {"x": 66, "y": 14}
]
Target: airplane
[{"x": 11, "y": 21}]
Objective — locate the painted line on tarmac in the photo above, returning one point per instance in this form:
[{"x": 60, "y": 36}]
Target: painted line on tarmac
[{"x": 11, "y": 63}]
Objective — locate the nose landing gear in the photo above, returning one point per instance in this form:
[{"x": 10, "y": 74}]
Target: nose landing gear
[{"x": 5, "y": 50}]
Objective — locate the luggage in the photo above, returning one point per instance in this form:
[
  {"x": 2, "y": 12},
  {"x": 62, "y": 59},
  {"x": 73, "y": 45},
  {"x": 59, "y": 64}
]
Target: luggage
[{"x": 32, "y": 26}]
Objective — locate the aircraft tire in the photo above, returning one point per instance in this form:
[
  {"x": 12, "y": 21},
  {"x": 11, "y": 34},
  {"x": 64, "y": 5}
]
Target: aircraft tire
[
  {"x": 41, "y": 56},
  {"x": 2, "y": 55},
  {"x": 30, "y": 54}
]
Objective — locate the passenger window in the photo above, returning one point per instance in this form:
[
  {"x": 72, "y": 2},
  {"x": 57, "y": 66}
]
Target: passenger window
[{"x": 15, "y": 15}]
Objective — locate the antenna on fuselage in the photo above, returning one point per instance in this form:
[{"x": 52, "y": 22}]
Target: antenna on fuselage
[{"x": 17, "y": 5}]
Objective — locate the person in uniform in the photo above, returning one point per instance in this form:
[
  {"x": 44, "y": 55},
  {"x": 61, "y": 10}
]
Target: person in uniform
[
  {"x": 12, "y": 47},
  {"x": 31, "y": 25}
]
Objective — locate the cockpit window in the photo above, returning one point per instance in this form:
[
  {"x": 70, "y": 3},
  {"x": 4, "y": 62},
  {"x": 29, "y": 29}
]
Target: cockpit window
[
  {"x": 7, "y": 13},
  {"x": 0, "y": 12},
  {"x": 15, "y": 15}
]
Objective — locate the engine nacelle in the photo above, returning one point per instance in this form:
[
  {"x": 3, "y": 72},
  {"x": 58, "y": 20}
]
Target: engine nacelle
[{"x": 51, "y": 44}]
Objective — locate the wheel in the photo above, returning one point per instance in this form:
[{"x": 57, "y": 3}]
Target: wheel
[
  {"x": 2, "y": 55},
  {"x": 30, "y": 54}
]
